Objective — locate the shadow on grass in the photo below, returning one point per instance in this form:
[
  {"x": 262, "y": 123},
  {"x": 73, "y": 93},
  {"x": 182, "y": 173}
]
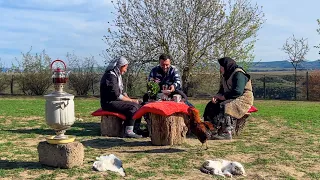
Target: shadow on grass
[
  {"x": 109, "y": 143},
  {"x": 5, "y": 164},
  {"x": 77, "y": 129},
  {"x": 165, "y": 150},
  {"x": 104, "y": 143}
]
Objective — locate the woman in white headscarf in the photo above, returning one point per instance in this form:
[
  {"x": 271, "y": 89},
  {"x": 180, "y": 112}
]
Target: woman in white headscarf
[{"x": 112, "y": 97}]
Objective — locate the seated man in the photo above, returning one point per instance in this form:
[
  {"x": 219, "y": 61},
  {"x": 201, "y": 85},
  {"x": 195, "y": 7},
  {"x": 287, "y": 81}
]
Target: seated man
[
  {"x": 233, "y": 100},
  {"x": 166, "y": 76},
  {"x": 112, "y": 97}
]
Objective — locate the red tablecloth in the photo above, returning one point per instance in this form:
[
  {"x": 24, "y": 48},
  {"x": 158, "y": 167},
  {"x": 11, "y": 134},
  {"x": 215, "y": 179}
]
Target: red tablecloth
[{"x": 164, "y": 108}]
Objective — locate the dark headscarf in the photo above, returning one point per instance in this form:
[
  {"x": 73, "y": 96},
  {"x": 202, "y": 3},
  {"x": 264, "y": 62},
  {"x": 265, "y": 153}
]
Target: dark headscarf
[{"x": 229, "y": 66}]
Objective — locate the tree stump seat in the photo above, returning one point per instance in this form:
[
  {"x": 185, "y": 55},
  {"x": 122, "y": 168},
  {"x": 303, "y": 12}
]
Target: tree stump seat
[
  {"x": 111, "y": 123},
  {"x": 242, "y": 121}
]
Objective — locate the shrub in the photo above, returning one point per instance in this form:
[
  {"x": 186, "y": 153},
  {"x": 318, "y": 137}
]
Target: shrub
[
  {"x": 4, "y": 81},
  {"x": 314, "y": 85},
  {"x": 35, "y": 76}
]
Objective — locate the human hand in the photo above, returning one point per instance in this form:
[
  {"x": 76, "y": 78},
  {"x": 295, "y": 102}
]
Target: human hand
[
  {"x": 171, "y": 88},
  {"x": 125, "y": 94},
  {"x": 220, "y": 97},
  {"x": 214, "y": 100},
  {"x": 135, "y": 101},
  {"x": 217, "y": 98}
]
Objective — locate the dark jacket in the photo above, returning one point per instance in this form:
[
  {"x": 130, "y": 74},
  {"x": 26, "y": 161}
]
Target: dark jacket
[
  {"x": 239, "y": 81},
  {"x": 109, "y": 87},
  {"x": 172, "y": 77}
]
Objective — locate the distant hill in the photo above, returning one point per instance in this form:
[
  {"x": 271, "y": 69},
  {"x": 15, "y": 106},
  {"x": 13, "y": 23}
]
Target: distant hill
[{"x": 284, "y": 66}]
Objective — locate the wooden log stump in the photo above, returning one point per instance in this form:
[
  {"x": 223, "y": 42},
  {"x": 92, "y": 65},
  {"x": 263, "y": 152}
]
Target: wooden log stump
[
  {"x": 111, "y": 126},
  {"x": 240, "y": 124},
  {"x": 167, "y": 130}
]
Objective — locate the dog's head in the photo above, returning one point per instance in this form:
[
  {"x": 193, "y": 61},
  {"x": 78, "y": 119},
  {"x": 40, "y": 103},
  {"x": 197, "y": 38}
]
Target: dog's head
[{"x": 237, "y": 169}]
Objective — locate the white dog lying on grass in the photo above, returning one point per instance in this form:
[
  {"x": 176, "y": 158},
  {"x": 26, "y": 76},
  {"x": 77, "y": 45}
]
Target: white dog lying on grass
[{"x": 222, "y": 167}]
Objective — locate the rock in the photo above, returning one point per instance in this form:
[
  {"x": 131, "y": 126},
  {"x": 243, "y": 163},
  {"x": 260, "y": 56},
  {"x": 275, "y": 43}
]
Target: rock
[{"x": 61, "y": 155}]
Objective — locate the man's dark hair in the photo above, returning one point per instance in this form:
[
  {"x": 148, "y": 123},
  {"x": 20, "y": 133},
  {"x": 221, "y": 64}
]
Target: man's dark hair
[{"x": 164, "y": 57}]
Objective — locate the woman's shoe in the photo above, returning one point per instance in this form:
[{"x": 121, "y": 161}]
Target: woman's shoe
[
  {"x": 226, "y": 135},
  {"x": 128, "y": 133},
  {"x": 132, "y": 135}
]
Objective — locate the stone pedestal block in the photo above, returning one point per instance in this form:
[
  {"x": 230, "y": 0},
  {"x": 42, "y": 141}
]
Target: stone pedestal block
[{"x": 61, "y": 155}]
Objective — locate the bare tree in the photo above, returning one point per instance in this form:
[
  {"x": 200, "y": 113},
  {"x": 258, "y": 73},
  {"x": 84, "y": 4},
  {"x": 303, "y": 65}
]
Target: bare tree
[
  {"x": 296, "y": 49},
  {"x": 194, "y": 32},
  {"x": 83, "y": 74},
  {"x": 318, "y": 30}
]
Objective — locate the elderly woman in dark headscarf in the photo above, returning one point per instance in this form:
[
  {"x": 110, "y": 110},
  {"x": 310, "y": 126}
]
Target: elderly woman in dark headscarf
[
  {"x": 112, "y": 97},
  {"x": 233, "y": 99}
]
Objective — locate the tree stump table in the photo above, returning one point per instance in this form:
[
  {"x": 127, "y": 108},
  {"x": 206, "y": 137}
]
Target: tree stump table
[
  {"x": 166, "y": 122},
  {"x": 167, "y": 130}
]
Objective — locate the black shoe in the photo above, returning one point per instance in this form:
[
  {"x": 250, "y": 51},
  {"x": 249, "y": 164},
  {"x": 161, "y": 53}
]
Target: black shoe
[
  {"x": 144, "y": 132},
  {"x": 223, "y": 136}
]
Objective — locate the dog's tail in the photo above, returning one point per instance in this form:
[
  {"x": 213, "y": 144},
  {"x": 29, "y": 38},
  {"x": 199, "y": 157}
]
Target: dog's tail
[{"x": 204, "y": 170}]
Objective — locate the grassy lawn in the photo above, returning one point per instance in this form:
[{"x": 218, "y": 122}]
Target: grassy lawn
[{"x": 281, "y": 141}]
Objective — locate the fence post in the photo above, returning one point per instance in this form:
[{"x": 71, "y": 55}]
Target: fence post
[
  {"x": 307, "y": 85},
  {"x": 264, "y": 86}
]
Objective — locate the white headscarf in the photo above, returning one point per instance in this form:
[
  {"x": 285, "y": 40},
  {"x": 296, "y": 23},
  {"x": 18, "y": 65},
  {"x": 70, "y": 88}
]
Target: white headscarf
[
  {"x": 115, "y": 65},
  {"x": 118, "y": 62}
]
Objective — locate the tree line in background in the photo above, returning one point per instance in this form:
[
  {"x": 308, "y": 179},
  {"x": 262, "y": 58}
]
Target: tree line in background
[{"x": 33, "y": 76}]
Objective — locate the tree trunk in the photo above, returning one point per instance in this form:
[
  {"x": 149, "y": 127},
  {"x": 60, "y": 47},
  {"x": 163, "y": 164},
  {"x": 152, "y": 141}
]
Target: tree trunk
[
  {"x": 111, "y": 126},
  {"x": 167, "y": 130},
  {"x": 295, "y": 83},
  {"x": 307, "y": 85},
  {"x": 185, "y": 80}
]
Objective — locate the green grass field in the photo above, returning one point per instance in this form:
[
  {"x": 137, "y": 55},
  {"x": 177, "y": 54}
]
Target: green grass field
[{"x": 280, "y": 141}]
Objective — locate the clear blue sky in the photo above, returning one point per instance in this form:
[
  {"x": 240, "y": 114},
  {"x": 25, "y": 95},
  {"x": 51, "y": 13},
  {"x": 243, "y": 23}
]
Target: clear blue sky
[{"x": 61, "y": 26}]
